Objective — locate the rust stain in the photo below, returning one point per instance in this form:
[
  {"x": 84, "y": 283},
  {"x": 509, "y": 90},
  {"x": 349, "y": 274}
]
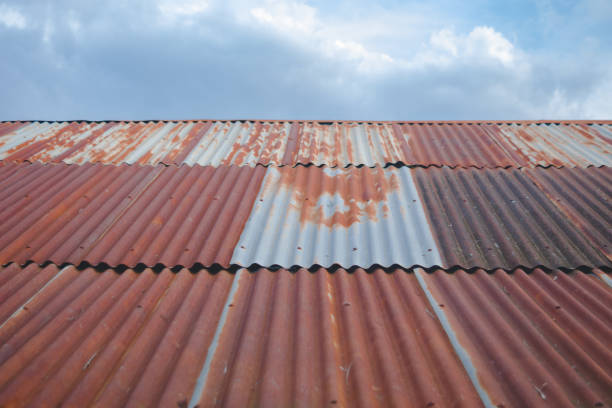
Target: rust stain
[
  {"x": 355, "y": 192},
  {"x": 187, "y": 144}
]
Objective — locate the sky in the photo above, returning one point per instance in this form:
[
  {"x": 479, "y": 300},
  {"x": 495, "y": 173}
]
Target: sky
[{"x": 318, "y": 60}]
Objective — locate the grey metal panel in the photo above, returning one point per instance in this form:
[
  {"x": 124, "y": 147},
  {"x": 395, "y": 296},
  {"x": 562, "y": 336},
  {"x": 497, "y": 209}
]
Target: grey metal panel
[{"x": 323, "y": 216}]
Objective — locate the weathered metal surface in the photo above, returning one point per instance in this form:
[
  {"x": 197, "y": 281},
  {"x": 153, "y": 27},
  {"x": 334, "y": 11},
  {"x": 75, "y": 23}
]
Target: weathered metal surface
[
  {"x": 79, "y": 338},
  {"x": 323, "y": 216},
  {"x": 332, "y": 339},
  {"x": 500, "y": 218},
  {"x": 126, "y": 215},
  {"x": 572, "y": 145},
  {"x": 248, "y": 143},
  {"x": 386, "y": 338},
  {"x": 304, "y": 216},
  {"x": 584, "y": 196},
  {"x": 533, "y": 339},
  {"x": 453, "y": 145}
]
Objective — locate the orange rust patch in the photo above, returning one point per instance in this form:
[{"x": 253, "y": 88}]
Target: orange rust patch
[{"x": 357, "y": 192}]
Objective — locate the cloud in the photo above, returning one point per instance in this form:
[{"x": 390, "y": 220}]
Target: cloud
[
  {"x": 11, "y": 17},
  {"x": 294, "y": 59}
]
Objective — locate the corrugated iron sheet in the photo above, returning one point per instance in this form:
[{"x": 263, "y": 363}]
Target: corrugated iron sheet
[
  {"x": 323, "y": 216},
  {"x": 124, "y": 214},
  {"x": 584, "y": 196},
  {"x": 570, "y": 145},
  {"x": 248, "y": 143},
  {"x": 533, "y": 339},
  {"x": 79, "y": 337},
  {"x": 304, "y": 216},
  {"x": 487, "y": 218}
]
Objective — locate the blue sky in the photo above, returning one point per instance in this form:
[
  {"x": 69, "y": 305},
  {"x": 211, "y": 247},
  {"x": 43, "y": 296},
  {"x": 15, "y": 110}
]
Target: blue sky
[{"x": 386, "y": 60}]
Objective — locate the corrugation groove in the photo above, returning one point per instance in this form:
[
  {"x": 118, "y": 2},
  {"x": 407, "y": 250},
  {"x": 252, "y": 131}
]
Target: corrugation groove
[
  {"x": 320, "y": 216},
  {"x": 532, "y": 341},
  {"x": 498, "y": 218},
  {"x": 125, "y": 214},
  {"x": 249, "y": 143}
]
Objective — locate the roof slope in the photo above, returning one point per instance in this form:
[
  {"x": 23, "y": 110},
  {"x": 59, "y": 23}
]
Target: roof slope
[
  {"x": 248, "y": 143},
  {"x": 302, "y": 216},
  {"x": 428, "y": 264},
  {"x": 279, "y": 338}
]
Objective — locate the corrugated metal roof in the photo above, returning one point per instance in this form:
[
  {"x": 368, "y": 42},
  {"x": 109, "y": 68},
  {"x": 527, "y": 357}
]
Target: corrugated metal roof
[
  {"x": 81, "y": 337},
  {"x": 477, "y": 144},
  {"x": 584, "y": 196},
  {"x": 533, "y": 339},
  {"x": 322, "y": 216},
  {"x": 490, "y": 218},
  {"x": 564, "y": 145},
  {"x": 304, "y": 216},
  {"x": 124, "y": 214}
]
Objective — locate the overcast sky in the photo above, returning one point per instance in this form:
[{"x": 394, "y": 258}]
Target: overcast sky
[{"x": 386, "y": 60}]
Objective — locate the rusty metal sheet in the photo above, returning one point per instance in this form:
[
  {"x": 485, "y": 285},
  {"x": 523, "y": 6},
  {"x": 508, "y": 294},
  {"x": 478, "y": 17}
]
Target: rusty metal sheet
[
  {"x": 454, "y": 145},
  {"x": 531, "y": 339},
  {"x": 77, "y": 338},
  {"x": 341, "y": 144},
  {"x": 331, "y": 339},
  {"x": 573, "y": 145},
  {"x": 335, "y": 144},
  {"x": 501, "y": 219},
  {"x": 584, "y": 196},
  {"x": 124, "y": 215},
  {"x": 347, "y": 216},
  {"x": 241, "y": 144}
]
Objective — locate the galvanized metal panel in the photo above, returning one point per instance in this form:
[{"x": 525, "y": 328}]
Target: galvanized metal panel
[
  {"x": 533, "y": 339},
  {"x": 248, "y": 143},
  {"x": 124, "y": 214},
  {"x": 500, "y": 218},
  {"x": 321, "y": 216},
  {"x": 241, "y": 144},
  {"x": 556, "y": 145}
]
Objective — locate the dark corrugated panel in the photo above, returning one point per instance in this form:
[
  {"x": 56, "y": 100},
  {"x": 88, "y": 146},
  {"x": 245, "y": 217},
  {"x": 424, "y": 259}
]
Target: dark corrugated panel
[
  {"x": 533, "y": 339},
  {"x": 499, "y": 218},
  {"x": 124, "y": 214},
  {"x": 584, "y": 196},
  {"x": 248, "y": 143}
]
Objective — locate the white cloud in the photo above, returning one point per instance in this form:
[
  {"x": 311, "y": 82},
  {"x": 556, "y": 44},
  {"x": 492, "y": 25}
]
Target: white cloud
[
  {"x": 184, "y": 11},
  {"x": 11, "y": 17},
  {"x": 298, "y": 59}
]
